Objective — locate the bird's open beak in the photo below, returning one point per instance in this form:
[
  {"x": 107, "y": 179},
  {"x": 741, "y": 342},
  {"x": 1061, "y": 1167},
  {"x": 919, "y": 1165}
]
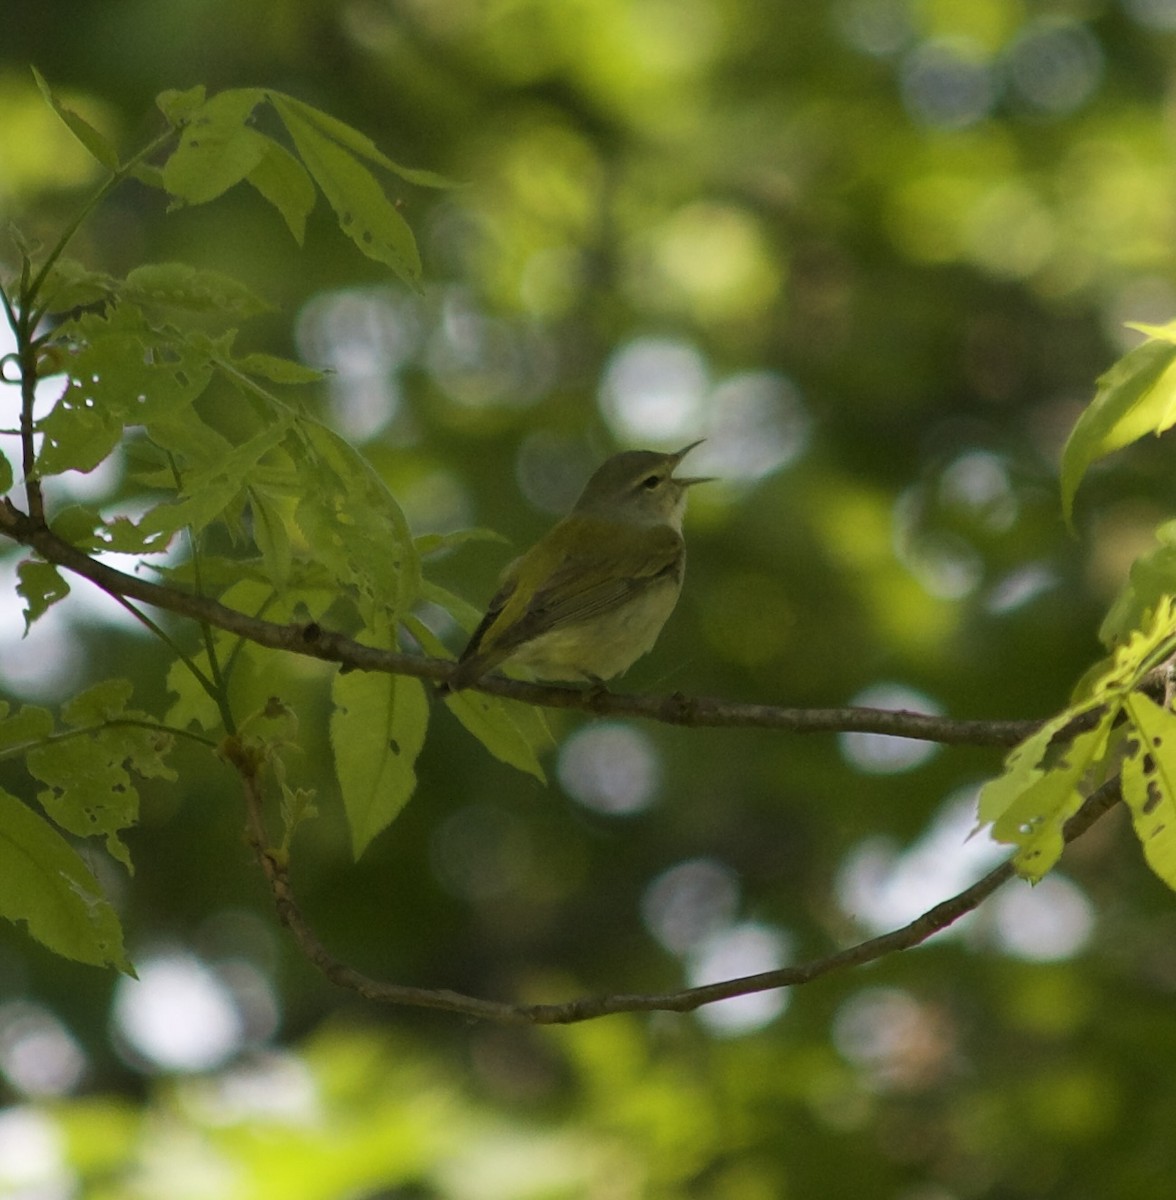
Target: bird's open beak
[{"x": 690, "y": 480}]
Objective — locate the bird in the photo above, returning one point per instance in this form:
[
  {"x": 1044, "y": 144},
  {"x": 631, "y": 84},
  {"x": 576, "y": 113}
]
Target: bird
[{"x": 591, "y": 596}]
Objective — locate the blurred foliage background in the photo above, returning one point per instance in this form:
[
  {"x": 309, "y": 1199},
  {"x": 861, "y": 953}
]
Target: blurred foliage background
[{"x": 876, "y": 252}]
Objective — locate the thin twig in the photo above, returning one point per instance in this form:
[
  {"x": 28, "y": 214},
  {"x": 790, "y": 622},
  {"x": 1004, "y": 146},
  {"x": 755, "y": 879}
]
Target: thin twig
[{"x": 249, "y": 764}]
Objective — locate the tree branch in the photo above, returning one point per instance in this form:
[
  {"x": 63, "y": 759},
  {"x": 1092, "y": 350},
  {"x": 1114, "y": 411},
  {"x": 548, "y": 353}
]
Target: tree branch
[
  {"x": 313, "y": 641},
  {"x": 249, "y": 763}
]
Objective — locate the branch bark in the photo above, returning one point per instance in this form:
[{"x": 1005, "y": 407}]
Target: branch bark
[
  {"x": 249, "y": 765},
  {"x": 313, "y": 641}
]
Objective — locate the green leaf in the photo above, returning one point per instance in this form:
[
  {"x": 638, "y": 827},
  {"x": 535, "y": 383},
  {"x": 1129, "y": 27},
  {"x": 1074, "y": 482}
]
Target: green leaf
[
  {"x": 178, "y": 285},
  {"x": 278, "y": 370},
  {"x": 1149, "y": 782},
  {"x": 271, "y": 533},
  {"x": 1152, "y": 577},
  {"x": 1029, "y": 805},
  {"x": 434, "y": 543},
  {"x": 178, "y": 106},
  {"x": 96, "y": 143},
  {"x": 44, "y": 883},
  {"x": 70, "y": 285},
  {"x": 283, "y": 181},
  {"x": 42, "y": 586},
  {"x": 356, "y": 142},
  {"x": 20, "y": 729},
  {"x": 217, "y": 148},
  {"x": 377, "y": 731},
  {"x": 365, "y": 213},
  {"x": 102, "y": 702},
  {"x": 511, "y": 731},
  {"x": 1136, "y": 396},
  {"x": 352, "y": 521},
  {"x": 90, "y": 790},
  {"x": 123, "y": 373},
  {"x": 5, "y": 474},
  {"x": 212, "y": 489}
]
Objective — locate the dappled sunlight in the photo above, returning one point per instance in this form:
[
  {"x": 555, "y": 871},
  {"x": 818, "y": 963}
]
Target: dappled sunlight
[
  {"x": 690, "y": 902},
  {"x": 746, "y": 948}
]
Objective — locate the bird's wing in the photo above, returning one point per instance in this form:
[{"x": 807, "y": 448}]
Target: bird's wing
[
  {"x": 586, "y": 586},
  {"x": 580, "y": 588}
]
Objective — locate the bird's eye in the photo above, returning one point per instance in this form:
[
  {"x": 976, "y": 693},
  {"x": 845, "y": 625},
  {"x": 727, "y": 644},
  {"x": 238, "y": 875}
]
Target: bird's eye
[{"x": 650, "y": 482}]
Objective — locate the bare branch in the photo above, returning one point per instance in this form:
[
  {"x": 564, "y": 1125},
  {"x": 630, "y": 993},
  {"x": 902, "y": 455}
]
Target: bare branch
[{"x": 249, "y": 764}]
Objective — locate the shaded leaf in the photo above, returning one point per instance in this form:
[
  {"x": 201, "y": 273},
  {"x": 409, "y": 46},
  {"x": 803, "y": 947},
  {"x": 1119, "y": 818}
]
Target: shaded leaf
[
  {"x": 283, "y": 181},
  {"x": 278, "y": 370},
  {"x": 29, "y": 725},
  {"x": 96, "y": 143},
  {"x": 365, "y": 213},
  {"x": 42, "y": 586},
  {"x": 217, "y": 148},
  {"x": 377, "y": 730},
  {"x": 178, "y": 285},
  {"x": 45, "y": 884}
]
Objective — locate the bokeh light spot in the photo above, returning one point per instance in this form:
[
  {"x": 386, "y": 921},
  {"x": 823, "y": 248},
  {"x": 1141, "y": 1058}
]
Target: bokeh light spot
[
  {"x": 653, "y": 390},
  {"x": 689, "y": 902},
  {"x": 481, "y": 852},
  {"x": 1047, "y": 923},
  {"x": 749, "y": 948},
  {"x": 38, "y": 1054},
  {"x": 883, "y": 754},
  {"x": 947, "y": 84},
  {"x": 610, "y": 768},
  {"x": 757, "y": 424},
  {"x": 1055, "y": 65},
  {"x": 177, "y": 1016}
]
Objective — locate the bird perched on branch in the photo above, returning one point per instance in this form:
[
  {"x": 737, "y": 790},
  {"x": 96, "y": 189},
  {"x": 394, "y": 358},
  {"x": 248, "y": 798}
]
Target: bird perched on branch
[{"x": 591, "y": 596}]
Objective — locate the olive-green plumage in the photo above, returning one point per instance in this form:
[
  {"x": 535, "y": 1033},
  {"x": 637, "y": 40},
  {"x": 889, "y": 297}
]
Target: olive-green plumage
[{"x": 591, "y": 596}]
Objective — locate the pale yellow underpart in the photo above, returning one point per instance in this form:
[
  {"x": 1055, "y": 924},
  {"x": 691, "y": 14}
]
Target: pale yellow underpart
[{"x": 603, "y": 646}]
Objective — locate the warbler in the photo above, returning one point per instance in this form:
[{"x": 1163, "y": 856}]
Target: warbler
[{"x": 591, "y": 596}]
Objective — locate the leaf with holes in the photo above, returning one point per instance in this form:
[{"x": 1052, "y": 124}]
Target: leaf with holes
[
  {"x": 42, "y": 586},
  {"x": 1149, "y": 783},
  {"x": 178, "y": 285},
  {"x": 123, "y": 373},
  {"x": 1040, "y": 790},
  {"x": 88, "y": 770},
  {"x": 45, "y": 884}
]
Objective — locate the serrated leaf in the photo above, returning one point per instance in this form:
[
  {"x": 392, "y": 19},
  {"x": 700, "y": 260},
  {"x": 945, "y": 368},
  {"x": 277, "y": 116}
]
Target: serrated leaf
[
  {"x": 179, "y": 285},
  {"x": 1029, "y": 805},
  {"x": 359, "y": 143},
  {"x": 42, "y": 586},
  {"x": 434, "y": 543},
  {"x": 352, "y": 521},
  {"x": 377, "y": 730},
  {"x": 71, "y": 285},
  {"x": 96, "y": 143},
  {"x": 178, "y": 106},
  {"x": 45, "y": 884},
  {"x": 283, "y": 181},
  {"x": 124, "y": 373},
  {"x": 511, "y": 731},
  {"x": 271, "y": 533},
  {"x": 212, "y": 489},
  {"x": 365, "y": 213},
  {"x": 278, "y": 370},
  {"x": 217, "y": 148},
  {"x": 1152, "y": 577},
  {"x": 102, "y": 702},
  {"x": 1149, "y": 782},
  {"x": 1136, "y": 396},
  {"x": 29, "y": 725}
]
